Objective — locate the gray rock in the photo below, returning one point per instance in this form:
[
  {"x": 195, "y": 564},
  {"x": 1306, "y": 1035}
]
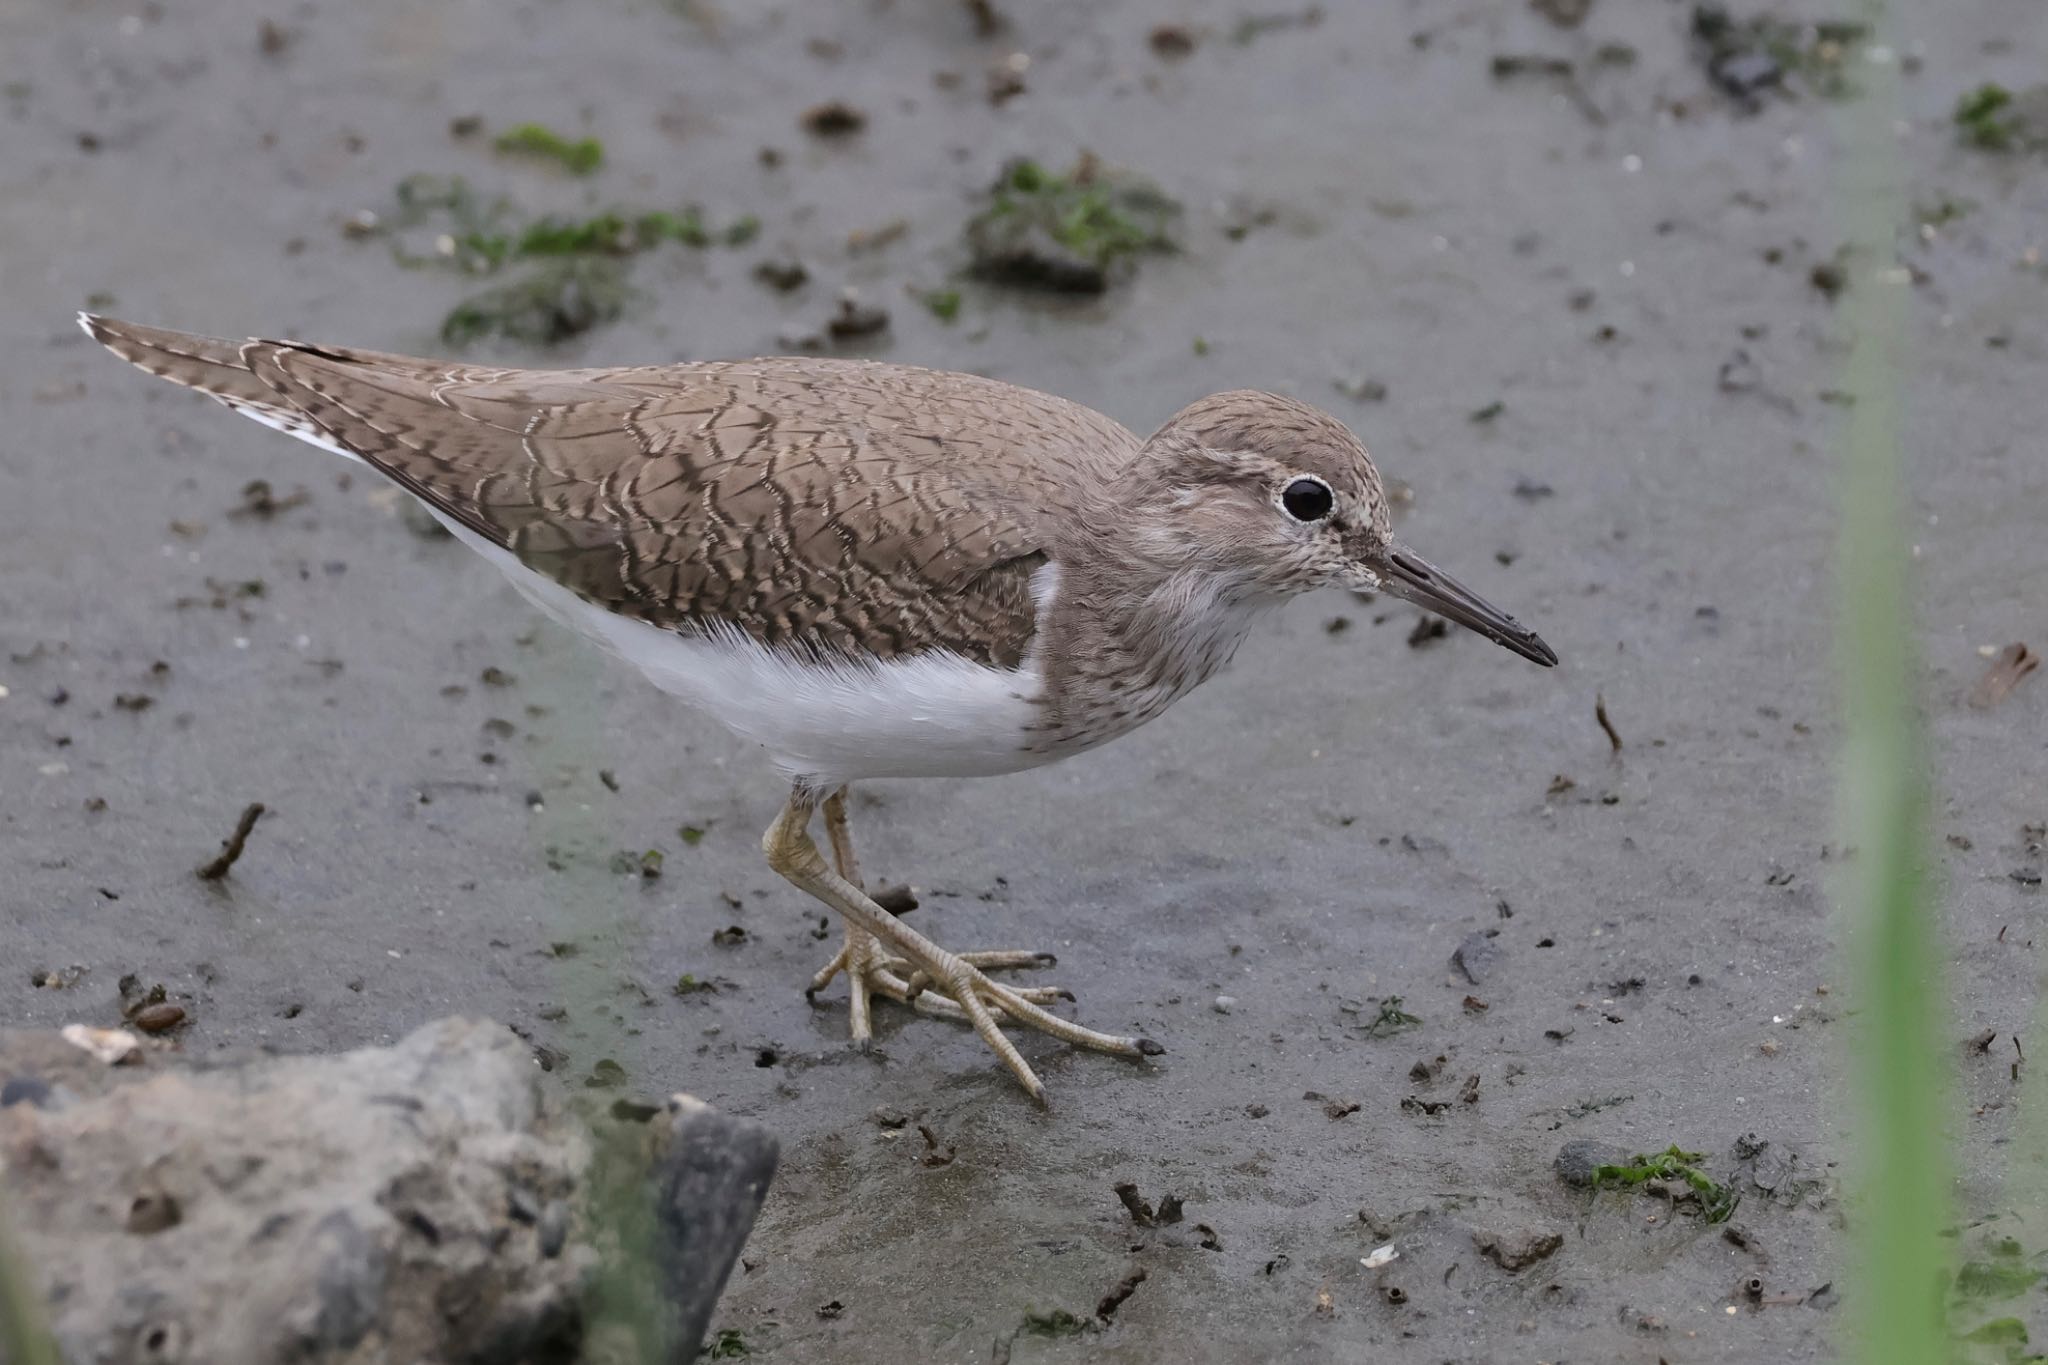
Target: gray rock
[
  {"x": 1518, "y": 1248},
  {"x": 425, "y": 1203},
  {"x": 1478, "y": 957},
  {"x": 1578, "y": 1159},
  {"x": 711, "y": 1173}
]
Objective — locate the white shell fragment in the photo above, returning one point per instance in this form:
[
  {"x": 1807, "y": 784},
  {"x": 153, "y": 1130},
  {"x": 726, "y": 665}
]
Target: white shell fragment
[
  {"x": 110, "y": 1045},
  {"x": 1380, "y": 1256}
]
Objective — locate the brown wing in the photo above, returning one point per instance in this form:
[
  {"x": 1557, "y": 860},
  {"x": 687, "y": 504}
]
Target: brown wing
[{"x": 837, "y": 506}]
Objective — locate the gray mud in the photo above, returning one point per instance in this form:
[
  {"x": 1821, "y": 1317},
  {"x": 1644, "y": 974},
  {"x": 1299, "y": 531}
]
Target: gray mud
[{"x": 1622, "y": 281}]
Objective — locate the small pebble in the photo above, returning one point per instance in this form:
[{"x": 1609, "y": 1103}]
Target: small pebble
[
  {"x": 159, "y": 1018},
  {"x": 1225, "y": 1003}
]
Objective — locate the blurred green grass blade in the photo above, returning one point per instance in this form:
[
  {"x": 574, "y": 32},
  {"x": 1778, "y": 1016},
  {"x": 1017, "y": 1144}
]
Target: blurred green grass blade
[
  {"x": 24, "y": 1329},
  {"x": 1896, "y": 1313}
]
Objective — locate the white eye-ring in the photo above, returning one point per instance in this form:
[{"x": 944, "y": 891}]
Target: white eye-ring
[{"x": 1307, "y": 499}]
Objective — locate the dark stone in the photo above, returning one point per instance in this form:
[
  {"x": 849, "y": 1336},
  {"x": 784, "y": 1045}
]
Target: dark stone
[
  {"x": 711, "y": 1175},
  {"x": 1578, "y": 1159}
]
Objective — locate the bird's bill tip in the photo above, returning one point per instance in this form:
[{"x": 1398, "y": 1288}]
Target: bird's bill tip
[{"x": 1409, "y": 576}]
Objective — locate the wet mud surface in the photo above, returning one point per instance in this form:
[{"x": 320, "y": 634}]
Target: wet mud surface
[{"x": 1409, "y": 922}]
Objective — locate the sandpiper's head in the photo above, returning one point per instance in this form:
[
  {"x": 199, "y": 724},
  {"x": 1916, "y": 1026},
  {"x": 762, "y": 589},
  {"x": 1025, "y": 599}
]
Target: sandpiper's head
[{"x": 1282, "y": 497}]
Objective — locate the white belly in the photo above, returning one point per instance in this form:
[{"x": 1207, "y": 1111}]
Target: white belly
[{"x": 934, "y": 715}]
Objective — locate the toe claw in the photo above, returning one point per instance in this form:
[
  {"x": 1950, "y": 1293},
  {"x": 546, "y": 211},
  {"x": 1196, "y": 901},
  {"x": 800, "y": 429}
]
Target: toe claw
[
  {"x": 1148, "y": 1048},
  {"x": 1048, "y": 960}
]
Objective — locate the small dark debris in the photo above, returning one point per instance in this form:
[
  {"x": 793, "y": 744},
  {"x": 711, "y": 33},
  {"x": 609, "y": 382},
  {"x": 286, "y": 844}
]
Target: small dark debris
[
  {"x": 934, "y": 1155},
  {"x": 1006, "y": 78},
  {"x": 134, "y": 701},
  {"x": 783, "y": 272},
  {"x": 1739, "y": 373},
  {"x": 1474, "y": 1005},
  {"x": 1256, "y": 1111},
  {"x": 1509, "y": 65},
  {"x": 1114, "y": 1299},
  {"x": 1468, "y": 1093},
  {"x": 231, "y": 847},
  {"x": 1415, "y": 1104},
  {"x": 1172, "y": 41},
  {"x": 1829, "y": 278},
  {"x": 1210, "y": 1241},
  {"x": 1563, "y": 13},
  {"x": 856, "y": 319},
  {"x": 828, "y": 1312},
  {"x": 1600, "y": 714},
  {"x": 1169, "y": 1209},
  {"x": 988, "y": 20},
  {"x": 1251, "y": 27},
  {"x": 1532, "y": 490},
  {"x": 495, "y": 676},
  {"x": 1338, "y": 1108},
  {"x": 605, "y": 1075},
  {"x": 1428, "y": 628},
  {"x": 2013, "y": 663},
  {"x": 1489, "y": 412},
  {"x": 1739, "y": 1236},
  {"x": 1336, "y": 625},
  {"x": 1519, "y": 1249},
  {"x": 1134, "y": 1204},
  {"x": 258, "y": 500},
  {"x": 610, "y": 780},
  {"x": 732, "y": 936},
  {"x": 1362, "y": 390},
  {"x": 835, "y": 118}
]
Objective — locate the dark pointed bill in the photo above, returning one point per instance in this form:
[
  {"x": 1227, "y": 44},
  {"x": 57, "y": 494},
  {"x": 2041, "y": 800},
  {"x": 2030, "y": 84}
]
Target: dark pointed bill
[{"x": 1408, "y": 575}]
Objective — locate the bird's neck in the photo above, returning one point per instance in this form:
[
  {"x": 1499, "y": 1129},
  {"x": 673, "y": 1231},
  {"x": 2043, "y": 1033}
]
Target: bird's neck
[{"x": 1124, "y": 639}]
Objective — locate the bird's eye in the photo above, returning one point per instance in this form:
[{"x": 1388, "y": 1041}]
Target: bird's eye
[{"x": 1307, "y": 499}]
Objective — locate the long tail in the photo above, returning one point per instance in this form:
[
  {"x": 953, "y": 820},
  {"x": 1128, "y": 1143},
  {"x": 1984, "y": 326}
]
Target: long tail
[
  {"x": 216, "y": 367},
  {"x": 208, "y": 364}
]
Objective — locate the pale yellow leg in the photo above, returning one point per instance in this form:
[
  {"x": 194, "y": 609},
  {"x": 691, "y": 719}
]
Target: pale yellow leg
[{"x": 792, "y": 853}]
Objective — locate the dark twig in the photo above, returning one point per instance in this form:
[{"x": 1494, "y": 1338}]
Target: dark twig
[
  {"x": 231, "y": 847},
  {"x": 1600, "y": 714}
]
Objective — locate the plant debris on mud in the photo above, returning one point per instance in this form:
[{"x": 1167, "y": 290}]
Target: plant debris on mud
[{"x": 1070, "y": 233}]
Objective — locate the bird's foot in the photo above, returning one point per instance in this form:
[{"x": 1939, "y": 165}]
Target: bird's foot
[{"x": 956, "y": 986}]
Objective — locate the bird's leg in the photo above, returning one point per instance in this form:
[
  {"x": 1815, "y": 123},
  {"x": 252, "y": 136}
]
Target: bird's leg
[
  {"x": 793, "y": 854},
  {"x": 858, "y": 952},
  {"x": 869, "y": 970}
]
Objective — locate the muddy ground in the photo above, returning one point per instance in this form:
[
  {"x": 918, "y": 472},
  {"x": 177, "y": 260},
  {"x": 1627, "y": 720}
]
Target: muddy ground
[{"x": 1601, "y": 312}]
